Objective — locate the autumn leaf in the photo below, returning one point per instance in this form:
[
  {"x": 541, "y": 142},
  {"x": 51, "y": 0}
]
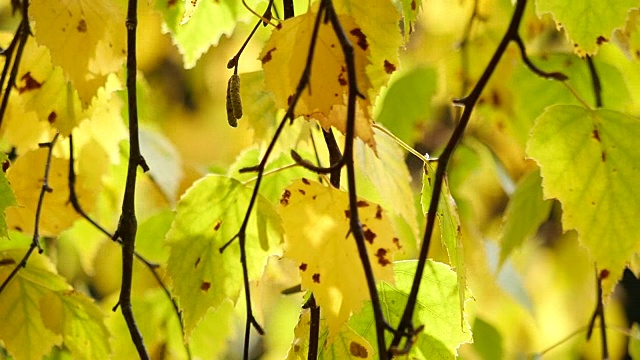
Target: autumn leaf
[
  {"x": 284, "y": 58},
  {"x": 82, "y": 39},
  {"x": 318, "y": 237}
]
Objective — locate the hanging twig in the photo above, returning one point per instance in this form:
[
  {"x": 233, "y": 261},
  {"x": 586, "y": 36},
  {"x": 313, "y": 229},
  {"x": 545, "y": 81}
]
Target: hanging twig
[
  {"x": 233, "y": 62},
  {"x": 599, "y": 313},
  {"x": 153, "y": 267},
  {"x": 128, "y": 224},
  {"x": 17, "y": 44},
  {"x": 35, "y": 242}
]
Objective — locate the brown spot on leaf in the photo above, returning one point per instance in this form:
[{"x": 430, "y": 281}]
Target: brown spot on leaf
[
  {"x": 305, "y": 181},
  {"x": 389, "y": 67},
  {"x": 601, "y": 40},
  {"x": 604, "y": 274},
  {"x": 82, "y": 26},
  {"x": 316, "y": 278},
  {"x": 369, "y": 235},
  {"x": 341, "y": 78},
  {"x": 267, "y": 57},
  {"x": 4, "y": 262},
  {"x": 362, "y": 38},
  {"x": 396, "y": 241},
  {"x": 284, "y": 200},
  {"x": 197, "y": 262},
  {"x": 29, "y": 83},
  {"x": 302, "y": 192},
  {"x": 379, "y": 212},
  {"x": 289, "y": 98},
  {"x": 358, "y": 350},
  {"x": 217, "y": 225},
  {"x": 382, "y": 260},
  {"x": 596, "y": 135},
  {"x": 170, "y": 3},
  {"x": 5, "y": 166},
  {"x": 52, "y": 117},
  {"x": 362, "y": 203},
  {"x": 495, "y": 98},
  {"x": 604, "y": 156},
  {"x": 205, "y": 286},
  {"x": 347, "y": 214},
  {"x": 296, "y": 348},
  {"x": 303, "y": 267}
]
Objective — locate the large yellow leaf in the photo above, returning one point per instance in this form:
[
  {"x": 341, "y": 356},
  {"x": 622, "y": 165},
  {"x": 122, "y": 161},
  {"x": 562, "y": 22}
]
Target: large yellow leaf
[
  {"x": 86, "y": 39},
  {"x": 316, "y": 222},
  {"x": 284, "y": 58}
]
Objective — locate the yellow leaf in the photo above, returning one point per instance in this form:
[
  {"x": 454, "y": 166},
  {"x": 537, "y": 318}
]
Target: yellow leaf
[
  {"x": 284, "y": 58},
  {"x": 316, "y": 222},
  {"x": 26, "y": 176},
  {"x": 86, "y": 39},
  {"x": 23, "y": 331}
]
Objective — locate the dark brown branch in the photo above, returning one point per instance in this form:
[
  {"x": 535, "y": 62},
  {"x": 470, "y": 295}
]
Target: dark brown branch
[
  {"x": 314, "y": 328},
  {"x": 288, "y": 9},
  {"x": 599, "y": 313},
  {"x": 73, "y": 199},
  {"x": 595, "y": 80},
  {"x": 35, "y": 242},
  {"x": 335, "y": 166},
  {"x": 525, "y": 59},
  {"x": 128, "y": 224},
  {"x": 406, "y": 326},
  {"x": 20, "y": 40},
  {"x": 233, "y": 62},
  {"x": 240, "y": 236}
]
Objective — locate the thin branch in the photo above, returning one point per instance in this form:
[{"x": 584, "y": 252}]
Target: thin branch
[
  {"x": 153, "y": 267},
  {"x": 599, "y": 313},
  {"x": 314, "y": 328},
  {"x": 595, "y": 80},
  {"x": 128, "y": 224},
  {"x": 35, "y": 242},
  {"x": 233, "y": 62},
  {"x": 260, "y": 168},
  {"x": 20, "y": 38},
  {"x": 288, "y": 9},
  {"x": 335, "y": 157},
  {"x": 525, "y": 59},
  {"x": 464, "y": 48},
  {"x": 405, "y": 326}
]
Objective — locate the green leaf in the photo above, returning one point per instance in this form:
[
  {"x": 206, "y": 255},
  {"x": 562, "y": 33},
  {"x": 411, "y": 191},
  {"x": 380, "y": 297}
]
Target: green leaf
[
  {"x": 408, "y": 102},
  {"x": 589, "y": 161},
  {"x": 23, "y": 332},
  {"x": 79, "y": 321},
  {"x": 588, "y": 23},
  {"x": 203, "y": 25},
  {"x": 450, "y": 227},
  {"x": 487, "y": 341},
  {"x": 437, "y": 308},
  {"x": 7, "y": 198},
  {"x": 410, "y": 10},
  {"x": 208, "y": 216},
  {"x": 525, "y": 213},
  {"x": 149, "y": 241},
  {"x": 259, "y": 106}
]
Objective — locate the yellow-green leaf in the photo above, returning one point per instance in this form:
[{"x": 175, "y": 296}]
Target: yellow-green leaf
[
  {"x": 589, "y": 161},
  {"x": 208, "y": 216}
]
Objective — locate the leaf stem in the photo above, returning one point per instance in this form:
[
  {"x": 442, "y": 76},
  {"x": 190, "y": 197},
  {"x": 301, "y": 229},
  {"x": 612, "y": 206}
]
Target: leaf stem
[{"x": 595, "y": 80}]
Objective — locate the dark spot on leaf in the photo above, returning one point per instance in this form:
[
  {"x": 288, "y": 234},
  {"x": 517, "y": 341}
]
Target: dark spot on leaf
[
  {"x": 332, "y": 46},
  {"x": 495, "y": 98},
  {"x": 314, "y": 197},
  {"x": 289, "y": 100},
  {"x": 357, "y": 350},
  {"x": 267, "y": 56},
  {"x": 284, "y": 200},
  {"x": 593, "y": 203},
  {"x": 362, "y": 38},
  {"x": 82, "y": 26},
  {"x": 362, "y": 203},
  {"x": 379, "y": 212},
  {"x": 296, "y": 348},
  {"x": 316, "y": 278},
  {"x": 347, "y": 214},
  {"x": 341, "y": 78},
  {"x": 305, "y": 181},
  {"x": 335, "y": 95},
  {"x": 601, "y": 40},
  {"x": 205, "y": 286},
  {"x": 217, "y": 225},
  {"x": 29, "y": 83},
  {"x": 5, "y": 166},
  {"x": 604, "y": 274},
  {"x": 4, "y": 262},
  {"x": 18, "y": 228},
  {"x": 396, "y": 241},
  {"x": 604, "y": 156},
  {"x": 389, "y": 67},
  {"x": 369, "y": 235},
  {"x": 197, "y": 262},
  {"x": 596, "y": 135},
  {"x": 279, "y": 26},
  {"x": 303, "y": 267},
  {"x": 52, "y": 117},
  {"x": 171, "y": 2},
  {"x": 382, "y": 260},
  {"x": 302, "y": 192},
  {"x": 413, "y": 5}
]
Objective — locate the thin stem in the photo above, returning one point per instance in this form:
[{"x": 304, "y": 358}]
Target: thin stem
[
  {"x": 595, "y": 80},
  {"x": 260, "y": 169},
  {"x": 128, "y": 224},
  {"x": 414, "y": 152},
  {"x": 314, "y": 328},
  {"x": 406, "y": 322},
  {"x": 233, "y": 62},
  {"x": 525, "y": 59},
  {"x": 599, "y": 313},
  {"x": 35, "y": 241}
]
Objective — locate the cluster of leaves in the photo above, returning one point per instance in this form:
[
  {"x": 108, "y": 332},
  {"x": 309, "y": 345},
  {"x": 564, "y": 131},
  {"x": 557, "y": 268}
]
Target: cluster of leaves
[{"x": 228, "y": 245}]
